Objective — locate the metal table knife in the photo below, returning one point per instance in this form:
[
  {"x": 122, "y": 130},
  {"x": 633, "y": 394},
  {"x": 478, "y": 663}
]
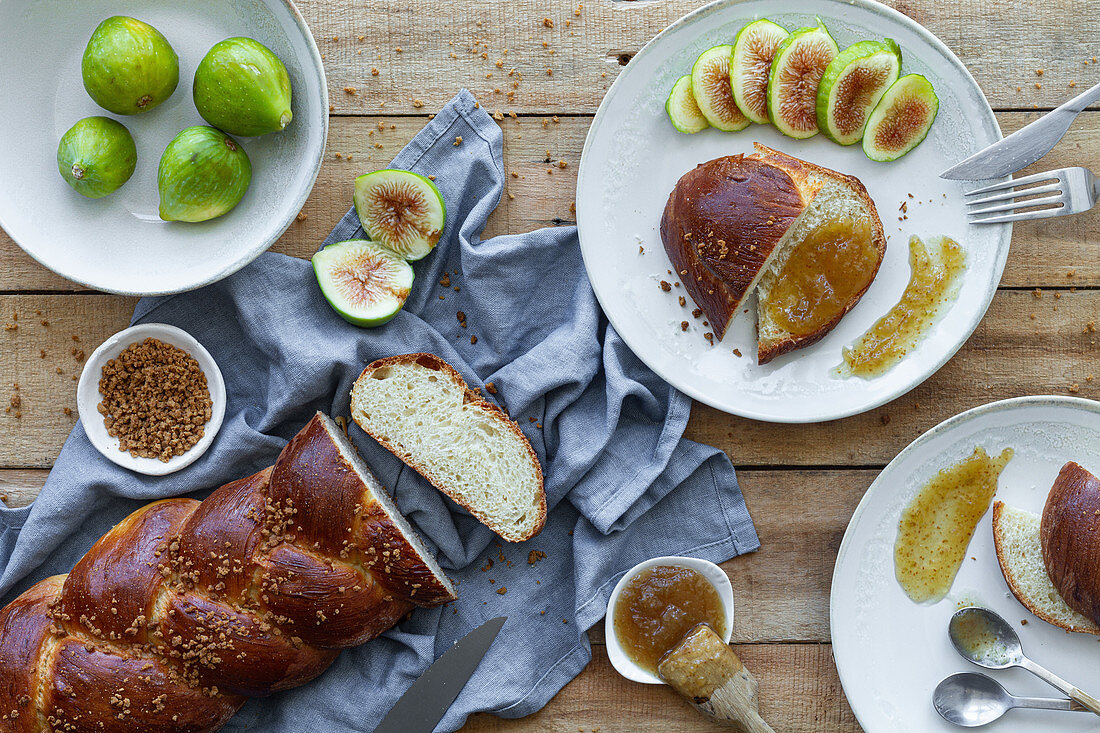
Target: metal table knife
[
  {"x": 424, "y": 704},
  {"x": 1025, "y": 146}
]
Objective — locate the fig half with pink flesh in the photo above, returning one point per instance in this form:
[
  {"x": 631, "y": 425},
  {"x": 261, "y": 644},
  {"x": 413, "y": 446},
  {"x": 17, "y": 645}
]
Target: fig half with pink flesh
[
  {"x": 799, "y": 63},
  {"x": 853, "y": 84},
  {"x": 901, "y": 119},
  {"x": 750, "y": 64},
  {"x": 364, "y": 282}
]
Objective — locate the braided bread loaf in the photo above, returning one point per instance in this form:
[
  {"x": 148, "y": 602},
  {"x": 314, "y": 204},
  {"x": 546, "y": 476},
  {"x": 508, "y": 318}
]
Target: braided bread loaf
[{"x": 185, "y": 608}]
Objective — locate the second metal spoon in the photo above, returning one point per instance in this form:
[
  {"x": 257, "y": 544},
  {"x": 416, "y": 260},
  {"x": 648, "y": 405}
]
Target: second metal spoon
[
  {"x": 970, "y": 699},
  {"x": 987, "y": 640}
]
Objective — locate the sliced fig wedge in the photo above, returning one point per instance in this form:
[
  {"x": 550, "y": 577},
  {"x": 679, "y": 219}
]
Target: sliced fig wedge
[
  {"x": 753, "y": 51},
  {"x": 400, "y": 210},
  {"x": 853, "y": 84},
  {"x": 682, "y": 109},
  {"x": 710, "y": 83},
  {"x": 799, "y": 63},
  {"x": 901, "y": 119},
  {"x": 364, "y": 282}
]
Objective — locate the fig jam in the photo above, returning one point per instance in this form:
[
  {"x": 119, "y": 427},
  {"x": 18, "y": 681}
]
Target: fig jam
[
  {"x": 658, "y": 606},
  {"x": 823, "y": 272}
]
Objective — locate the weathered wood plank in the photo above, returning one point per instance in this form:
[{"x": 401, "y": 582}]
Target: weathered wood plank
[
  {"x": 1009, "y": 355},
  {"x": 1042, "y": 252},
  {"x": 18, "y": 487},
  {"x": 441, "y": 51},
  {"x": 800, "y": 692}
]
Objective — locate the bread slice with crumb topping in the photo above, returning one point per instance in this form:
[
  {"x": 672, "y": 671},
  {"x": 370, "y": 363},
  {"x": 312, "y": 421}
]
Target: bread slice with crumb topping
[
  {"x": 420, "y": 409},
  {"x": 1020, "y": 554}
]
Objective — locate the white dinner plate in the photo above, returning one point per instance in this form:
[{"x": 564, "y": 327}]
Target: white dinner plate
[
  {"x": 119, "y": 243},
  {"x": 890, "y": 652},
  {"x": 633, "y": 158}
]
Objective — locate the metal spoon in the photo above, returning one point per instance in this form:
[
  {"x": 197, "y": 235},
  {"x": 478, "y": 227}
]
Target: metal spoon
[
  {"x": 984, "y": 638},
  {"x": 970, "y": 699}
]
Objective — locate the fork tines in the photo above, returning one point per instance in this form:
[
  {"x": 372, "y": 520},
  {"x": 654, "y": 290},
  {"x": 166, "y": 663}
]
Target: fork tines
[{"x": 1032, "y": 197}]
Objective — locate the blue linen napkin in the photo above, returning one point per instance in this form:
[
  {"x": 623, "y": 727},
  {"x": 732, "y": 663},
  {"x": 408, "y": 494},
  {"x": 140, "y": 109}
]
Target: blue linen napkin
[{"x": 622, "y": 484}]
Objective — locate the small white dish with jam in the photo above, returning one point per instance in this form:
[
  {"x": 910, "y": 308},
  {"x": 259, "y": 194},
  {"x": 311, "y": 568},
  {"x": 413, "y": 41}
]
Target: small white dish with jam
[
  {"x": 188, "y": 359},
  {"x": 684, "y": 590}
]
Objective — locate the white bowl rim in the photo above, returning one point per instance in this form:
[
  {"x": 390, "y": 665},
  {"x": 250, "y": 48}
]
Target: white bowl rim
[
  {"x": 717, "y": 577},
  {"x": 87, "y": 395}
]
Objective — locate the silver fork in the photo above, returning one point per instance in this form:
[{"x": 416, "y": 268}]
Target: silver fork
[{"x": 1064, "y": 191}]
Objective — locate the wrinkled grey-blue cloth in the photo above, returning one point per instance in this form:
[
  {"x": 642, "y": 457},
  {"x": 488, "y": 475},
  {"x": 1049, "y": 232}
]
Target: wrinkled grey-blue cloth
[{"x": 622, "y": 485}]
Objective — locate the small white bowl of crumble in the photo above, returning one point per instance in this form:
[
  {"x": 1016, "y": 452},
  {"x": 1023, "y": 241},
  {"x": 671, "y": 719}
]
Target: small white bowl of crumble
[{"x": 151, "y": 399}]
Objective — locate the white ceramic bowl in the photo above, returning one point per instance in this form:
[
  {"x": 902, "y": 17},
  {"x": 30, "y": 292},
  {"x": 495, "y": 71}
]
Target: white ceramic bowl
[
  {"x": 119, "y": 243},
  {"x": 88, "y": 397},
  {"x": 707, "y": 569}
]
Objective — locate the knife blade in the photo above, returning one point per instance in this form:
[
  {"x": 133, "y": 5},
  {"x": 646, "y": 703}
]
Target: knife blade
[
  {"x": 424, "y": 704},
  {"x": 1025, "y": 146}
]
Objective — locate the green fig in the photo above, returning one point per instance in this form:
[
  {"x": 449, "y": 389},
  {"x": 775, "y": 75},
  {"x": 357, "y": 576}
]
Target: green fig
[
  {"x": 128, "y": 66},
  {"x": 96, "y": 156},
  {"x": 243, "y": 88},
  {"x": 203, "y": 174}
]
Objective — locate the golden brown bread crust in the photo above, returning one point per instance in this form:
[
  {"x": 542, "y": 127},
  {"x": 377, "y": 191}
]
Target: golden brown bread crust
[
  {"x": 1010, "y": 578},
  {"x": 24, "y": 626},
  {"x": 803, "y": 173},
  {"x": 431, "y": 361},
  {"x": 720, "y": 226},
  {"x": 184, "y": 607},
  {"x": 1070, "y": 537}
]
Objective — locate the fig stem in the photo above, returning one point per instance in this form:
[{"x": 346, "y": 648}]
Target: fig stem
[{"x": 78, "y": 172}]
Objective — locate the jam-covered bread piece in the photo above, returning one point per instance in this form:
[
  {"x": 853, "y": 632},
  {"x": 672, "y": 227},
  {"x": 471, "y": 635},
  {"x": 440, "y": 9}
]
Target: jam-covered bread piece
[{"x": 808, "y": 239}]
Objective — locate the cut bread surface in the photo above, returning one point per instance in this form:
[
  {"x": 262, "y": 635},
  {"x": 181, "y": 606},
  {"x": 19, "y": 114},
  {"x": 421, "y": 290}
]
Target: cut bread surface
[
  {"x": 1020, "y": 554},
  {"x": 419, "y": 408},
  {"x": 835, "y": 198},
  {"x": 378, "y": 492}
]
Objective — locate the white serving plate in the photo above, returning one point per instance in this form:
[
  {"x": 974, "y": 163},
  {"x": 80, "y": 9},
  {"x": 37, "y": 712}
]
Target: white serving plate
[
  {"x": 890, "y": 652},
  {"x": 633, "y": 158},
  {"x": 88, "y": 397},
  {"x": 119, "y": 243}
]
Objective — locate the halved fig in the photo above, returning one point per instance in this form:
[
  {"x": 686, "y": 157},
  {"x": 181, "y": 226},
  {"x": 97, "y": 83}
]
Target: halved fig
[
  {"x": 753, "y": 51},
  {"x": 710, "y": 83},
  {"x": 799, "y": 63},
  {"x": 364, "y": 282},
  {"x": 853, "y": 84},
  {"x": 682, "y": 109},
  {"x": 400, "y": 210},
  {"x": 901, "y": 119}
]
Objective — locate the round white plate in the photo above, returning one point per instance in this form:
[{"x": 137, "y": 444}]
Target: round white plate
[
  {"x": 633, "y": 158},
  {"x": 88, "y": 397},
  {"x": 119, "y": 243},
  {"x": 890, "y": 652}
]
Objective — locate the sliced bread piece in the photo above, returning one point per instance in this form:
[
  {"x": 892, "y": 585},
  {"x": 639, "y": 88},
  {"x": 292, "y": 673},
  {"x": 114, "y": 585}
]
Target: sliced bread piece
[
  {"x": 420, "y": 409},
  {"x": 1020, "y": 554},
  {"x": 841, "y": 212}
]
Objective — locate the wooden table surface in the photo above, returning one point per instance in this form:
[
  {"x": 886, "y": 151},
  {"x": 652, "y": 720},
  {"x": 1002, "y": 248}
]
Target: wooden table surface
[{"x": 801, "y": 482}]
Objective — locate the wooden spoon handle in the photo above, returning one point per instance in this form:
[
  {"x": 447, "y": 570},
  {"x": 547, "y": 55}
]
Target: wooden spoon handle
[{"x": 711, "y": 676}]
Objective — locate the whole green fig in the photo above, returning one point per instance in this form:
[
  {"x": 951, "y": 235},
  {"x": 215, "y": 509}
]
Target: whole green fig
[
  {"x": 128, "y": 66},
  {"x": 243, "y": 88},
  {"x": 203, "y": 174},
  {"x": 96, "y": 156}
]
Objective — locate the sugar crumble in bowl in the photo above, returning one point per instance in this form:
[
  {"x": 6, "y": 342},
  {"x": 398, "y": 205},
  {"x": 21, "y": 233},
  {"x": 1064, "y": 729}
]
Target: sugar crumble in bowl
[{"x": 151, "y": 399}]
